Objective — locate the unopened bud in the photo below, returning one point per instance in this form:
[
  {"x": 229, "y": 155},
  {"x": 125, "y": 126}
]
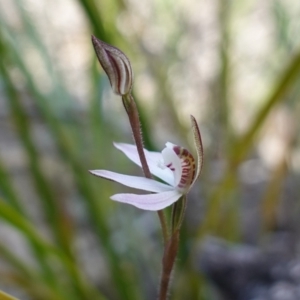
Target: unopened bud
[{"x": 116, "y": 65}]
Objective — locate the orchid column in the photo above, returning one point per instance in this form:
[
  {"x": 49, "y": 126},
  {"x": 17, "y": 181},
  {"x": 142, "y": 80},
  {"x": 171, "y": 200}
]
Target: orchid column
[{"x": 174, "y": 165}]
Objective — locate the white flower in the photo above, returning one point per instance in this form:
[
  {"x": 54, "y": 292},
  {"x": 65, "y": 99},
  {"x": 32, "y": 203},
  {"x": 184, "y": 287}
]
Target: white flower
[{"x": 174, "y": 165}]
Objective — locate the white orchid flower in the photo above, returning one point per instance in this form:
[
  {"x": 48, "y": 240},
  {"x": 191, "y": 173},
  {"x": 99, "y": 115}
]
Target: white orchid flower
[{"x": 174, "y": 165}]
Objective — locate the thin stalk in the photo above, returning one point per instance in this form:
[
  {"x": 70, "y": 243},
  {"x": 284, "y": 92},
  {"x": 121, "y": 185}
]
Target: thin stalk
[
  {"x": 171, "y": 248},
  {"x": 134, "y": 119},
  {"x": 168, "y": 260}
]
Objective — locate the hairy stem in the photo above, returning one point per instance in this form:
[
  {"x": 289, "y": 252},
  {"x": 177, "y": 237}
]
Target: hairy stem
[
  {"x": 134, "y": 119},
  {"x": 168, "y": 263}
]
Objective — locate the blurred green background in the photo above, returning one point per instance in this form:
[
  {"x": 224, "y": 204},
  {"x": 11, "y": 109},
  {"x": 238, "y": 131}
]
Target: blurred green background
[{"x": 234, "y": 65}]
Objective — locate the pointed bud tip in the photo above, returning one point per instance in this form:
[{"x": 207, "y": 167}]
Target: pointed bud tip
[
  {"x": 93, "y": 38},
  {"x": 96, "y": 41}
]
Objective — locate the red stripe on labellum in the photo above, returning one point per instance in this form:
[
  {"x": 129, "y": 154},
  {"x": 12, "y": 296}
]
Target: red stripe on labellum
[{"x": 188, "y": 167}]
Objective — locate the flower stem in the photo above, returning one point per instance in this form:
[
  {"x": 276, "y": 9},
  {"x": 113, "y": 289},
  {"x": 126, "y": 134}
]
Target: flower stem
[
  {"x": 134, "y": 119},
  {"x": 171, "y": 247},
  {"x": 168, "y": 263}
]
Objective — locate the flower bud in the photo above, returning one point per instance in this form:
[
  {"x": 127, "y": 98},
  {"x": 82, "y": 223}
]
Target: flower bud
[{"x": 116, "y": 65}]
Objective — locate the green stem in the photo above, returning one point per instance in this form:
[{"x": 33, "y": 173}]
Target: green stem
[{"x": 178, "y": 212}]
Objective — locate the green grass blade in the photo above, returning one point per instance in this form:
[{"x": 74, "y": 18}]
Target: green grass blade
[{"x": 5, "y": 296}]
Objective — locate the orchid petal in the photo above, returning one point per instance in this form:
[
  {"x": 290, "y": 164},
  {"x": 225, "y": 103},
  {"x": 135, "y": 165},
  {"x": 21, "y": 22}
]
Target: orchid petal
[
  {"x": 149, "y": 202},
  {"x": 199, "y": 148},
  {"x": 154, "y": 160},
  {"x": 136, "y": 182},
  {"x": 172, "y": 161}
]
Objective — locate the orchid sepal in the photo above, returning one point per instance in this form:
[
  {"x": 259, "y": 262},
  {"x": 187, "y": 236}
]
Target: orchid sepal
[{"x": 152, "y": 202}]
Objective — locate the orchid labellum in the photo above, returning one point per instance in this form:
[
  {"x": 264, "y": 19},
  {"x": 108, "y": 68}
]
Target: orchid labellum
[{"x": 175, "y": 166}]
